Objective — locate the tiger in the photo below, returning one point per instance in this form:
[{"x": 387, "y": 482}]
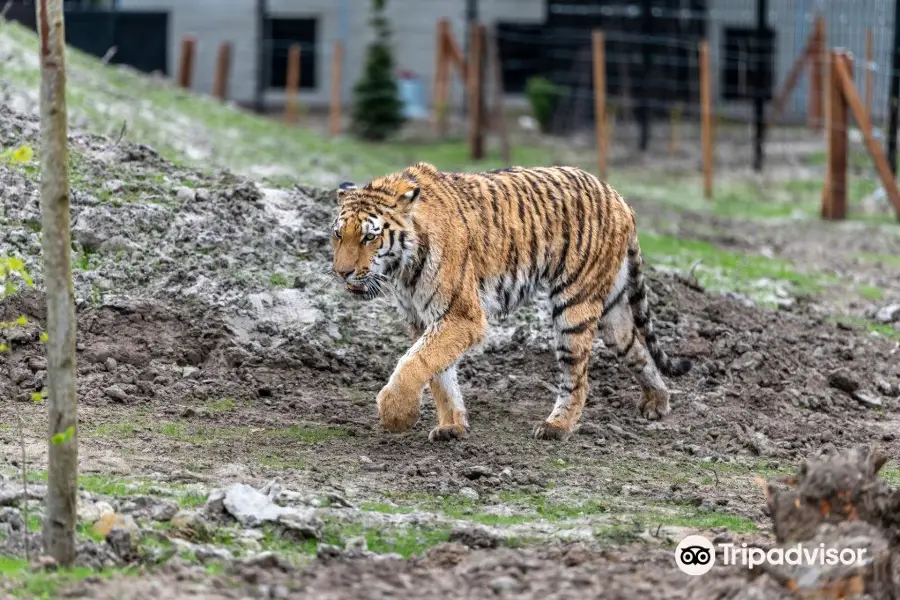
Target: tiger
[{"x": 456, "y": 248}]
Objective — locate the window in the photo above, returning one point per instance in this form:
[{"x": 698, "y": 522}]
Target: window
[
  {"x": 281, "y": 34},
  {"x": 743, "y": 50}
]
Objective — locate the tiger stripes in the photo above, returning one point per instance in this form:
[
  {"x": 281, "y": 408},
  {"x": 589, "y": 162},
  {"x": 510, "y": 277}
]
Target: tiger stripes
[{"x": 457, "y": 248}]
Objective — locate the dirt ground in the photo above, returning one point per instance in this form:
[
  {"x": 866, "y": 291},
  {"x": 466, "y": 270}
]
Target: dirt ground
[{"x": 212, "y": 350}]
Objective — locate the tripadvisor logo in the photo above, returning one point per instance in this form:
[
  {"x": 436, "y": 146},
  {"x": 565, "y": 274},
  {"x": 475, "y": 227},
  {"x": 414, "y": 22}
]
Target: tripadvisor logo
[{"x": 695, "y": 555}]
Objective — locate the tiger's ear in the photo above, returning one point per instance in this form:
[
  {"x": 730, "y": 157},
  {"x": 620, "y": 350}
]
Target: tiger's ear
[
  {"x": 410, "y": 196},
  {"x": 344, "y": 188}
]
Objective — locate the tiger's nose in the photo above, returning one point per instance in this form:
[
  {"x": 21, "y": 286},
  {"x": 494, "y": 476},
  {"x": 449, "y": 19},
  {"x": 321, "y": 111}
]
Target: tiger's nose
[{"x": 346, "y": 273}]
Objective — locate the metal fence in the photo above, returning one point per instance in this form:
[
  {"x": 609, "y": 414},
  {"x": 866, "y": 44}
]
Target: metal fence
[{"x": 652, "y": 61}]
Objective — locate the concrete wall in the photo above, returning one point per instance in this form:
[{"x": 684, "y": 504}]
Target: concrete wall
[{"x": 413, "y": 24}]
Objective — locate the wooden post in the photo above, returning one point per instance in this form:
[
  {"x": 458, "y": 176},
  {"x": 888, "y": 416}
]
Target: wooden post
[
  {"x": 706, "y": 122},
  {"x": 807, "y": 57},
  {"x": 498, "y": 111},
  {"x": 186, "y": 67},
  {"x": 844, "y": 81},
  {"x": 337, "y": 62},
  {"x": 599, "y": 48},
  {"x": 674, "y": 129},
  {"x": 441, "y": 77},
  {"x": 62, "y": 403},
  {"x": 292, "y": 85},
  {"x": 476, "y": 92},
  {"x": 869, "y": 65},
  {"x": 223, "y": 66},
  {"x": 817, "y": 89},
  {"x": 834, "y": 202}
]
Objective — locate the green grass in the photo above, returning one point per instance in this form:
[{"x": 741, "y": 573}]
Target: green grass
[
  {"x": 221, "y": 405},
  {"x": 886, "y": 259},
  {"x": 739, "y": 198},
  {"x": 278, "y": 280},
  {"x": 890, "y": 474},
  {"x": 882, "y": 329},
  {"x": 721, "y": 270},
  {"x": 22, "y": 582}
]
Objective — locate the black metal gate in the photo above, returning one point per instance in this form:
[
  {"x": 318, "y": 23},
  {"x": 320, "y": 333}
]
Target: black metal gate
[{"x": 141, "y": 38}]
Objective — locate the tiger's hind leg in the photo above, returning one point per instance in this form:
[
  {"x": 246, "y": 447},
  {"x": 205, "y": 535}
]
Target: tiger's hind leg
[
  {"x": 453, "y": 423},
  {"x": 618, "y": 331},
  {"x": 575, "y": 327}
]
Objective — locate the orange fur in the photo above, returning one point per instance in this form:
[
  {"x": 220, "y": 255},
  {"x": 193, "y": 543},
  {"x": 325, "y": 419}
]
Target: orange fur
[{"x": 458, "y": 247}]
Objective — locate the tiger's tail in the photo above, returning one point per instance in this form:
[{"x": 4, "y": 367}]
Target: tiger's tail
[{"x": 643, "y": 317}]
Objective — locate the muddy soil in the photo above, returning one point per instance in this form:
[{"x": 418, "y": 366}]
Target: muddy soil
[{"x": 211, "y": 346}]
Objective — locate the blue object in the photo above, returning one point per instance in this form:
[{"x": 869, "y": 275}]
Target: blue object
[{"x": 411, "y": 96}]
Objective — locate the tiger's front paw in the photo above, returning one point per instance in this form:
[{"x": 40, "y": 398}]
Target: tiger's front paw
[
  {"x": 547, "y": 430},
  {"x": 397, "y": 412}
]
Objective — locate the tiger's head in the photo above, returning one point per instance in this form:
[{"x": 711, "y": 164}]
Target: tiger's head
[{"x": 371, "y": 236}]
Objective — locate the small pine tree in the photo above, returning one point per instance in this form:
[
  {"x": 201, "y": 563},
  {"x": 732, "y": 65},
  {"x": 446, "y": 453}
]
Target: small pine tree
[{"x": 377, "y": 108}]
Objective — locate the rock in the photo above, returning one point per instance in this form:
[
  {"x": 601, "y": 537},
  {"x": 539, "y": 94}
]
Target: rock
[
  {"x": 116, "y": 394},
  {"x": 190, "y": 372},
  {"x": 37, "y": 363},
  {"x": 190, "y": 525},
  {"x": 267, "y": 560},
  {"x": 842, "y": 379},
  {"x": 121, "y": 534},
  {"x": 185, "y": 194},
  {"x": 251, "y": 507},
  {"x": 108, "y": 522},
  {"x": 474, "y": 537},
  {"x": 469, "y": 493},
  {"x": 505, "y": 583},
  {"x": 207, "y": 554},
  {"x": 13, "y": 518},
  {"x": 91, "y": 512},
  {"x": 506, "y": 474},
  {"x": 12, "y": 493},
  {"x": 111, "y": 364},
  {"x": 888, "y": 314},
  {"x": 477, "y": 472},
  {"x": 867, "y": 399},
  {"x": 215, "y": 504},
  {"x": 747, "y": 362},
  {"x": 19, "y": 375},
  {"x": 325, "y": 552},
  {"x": 886, "y": 389},
  {"x": 300, "y": 526}
]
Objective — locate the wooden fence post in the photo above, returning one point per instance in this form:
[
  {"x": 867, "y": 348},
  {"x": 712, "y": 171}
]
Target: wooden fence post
[
  {"x": 186, "y": 67},
  {"x": 817, "y": 89},
  {"x": 834, "y": 192},
  {"x": 876, "y": 152},
  {"x": 498, "y": 112},
  {"x": 337, "y": 63},
  {"x": 706, "y": 122},
  {"x": 869, "y": 65},
  {"x": 62, "y": 400},
  {"x": 292, "y": 85},
  {"x": 223, "y": 66},
  {"x": 441, "y": 77},
  {"x": 599, "y": 53},
  {"x": 476, "y": 92}
]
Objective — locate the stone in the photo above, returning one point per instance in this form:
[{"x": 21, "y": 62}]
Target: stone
[
  {"x": 468, "y": 493},
  {"x": 867, "y": 399},
  {"x": 116, "y": 394},
  {"x": 505, "y": 583},
  {"x": 215, "y": 504},
  {"x": 190, "y": 525},
  {"x": 12, "y": 517},
  {"x": 477, "y": 472},
  {"x": 888, "y": 314},
  {"x": 300, "y": 525},
  {"x": 251, "y": 507},
  {"x": 121, "y": 534},
  {"x": 842, "y": 379},
  {"x": 91, "y": 512}
]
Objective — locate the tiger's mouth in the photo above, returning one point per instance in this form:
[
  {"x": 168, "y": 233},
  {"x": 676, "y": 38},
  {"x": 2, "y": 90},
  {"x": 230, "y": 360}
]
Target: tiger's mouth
[{"x": 358, "y": 289}]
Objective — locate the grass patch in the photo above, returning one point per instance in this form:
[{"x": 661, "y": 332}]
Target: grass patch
[
  {"x": 721, "y": 270},
  {"x": 278, "y": 280},
  {"x": 890, "y": 474},
  {"x": 221, "y": 405},
  {"x": 309, "y": 435},
  {"x": 41, "y": 585},
  {"x": 885, "y": 259},
  {"x": 882, "y": 329}
]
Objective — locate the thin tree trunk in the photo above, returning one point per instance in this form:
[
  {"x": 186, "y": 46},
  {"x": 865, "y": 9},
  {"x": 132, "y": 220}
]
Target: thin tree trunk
[{"x": 59, "y": 523}]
